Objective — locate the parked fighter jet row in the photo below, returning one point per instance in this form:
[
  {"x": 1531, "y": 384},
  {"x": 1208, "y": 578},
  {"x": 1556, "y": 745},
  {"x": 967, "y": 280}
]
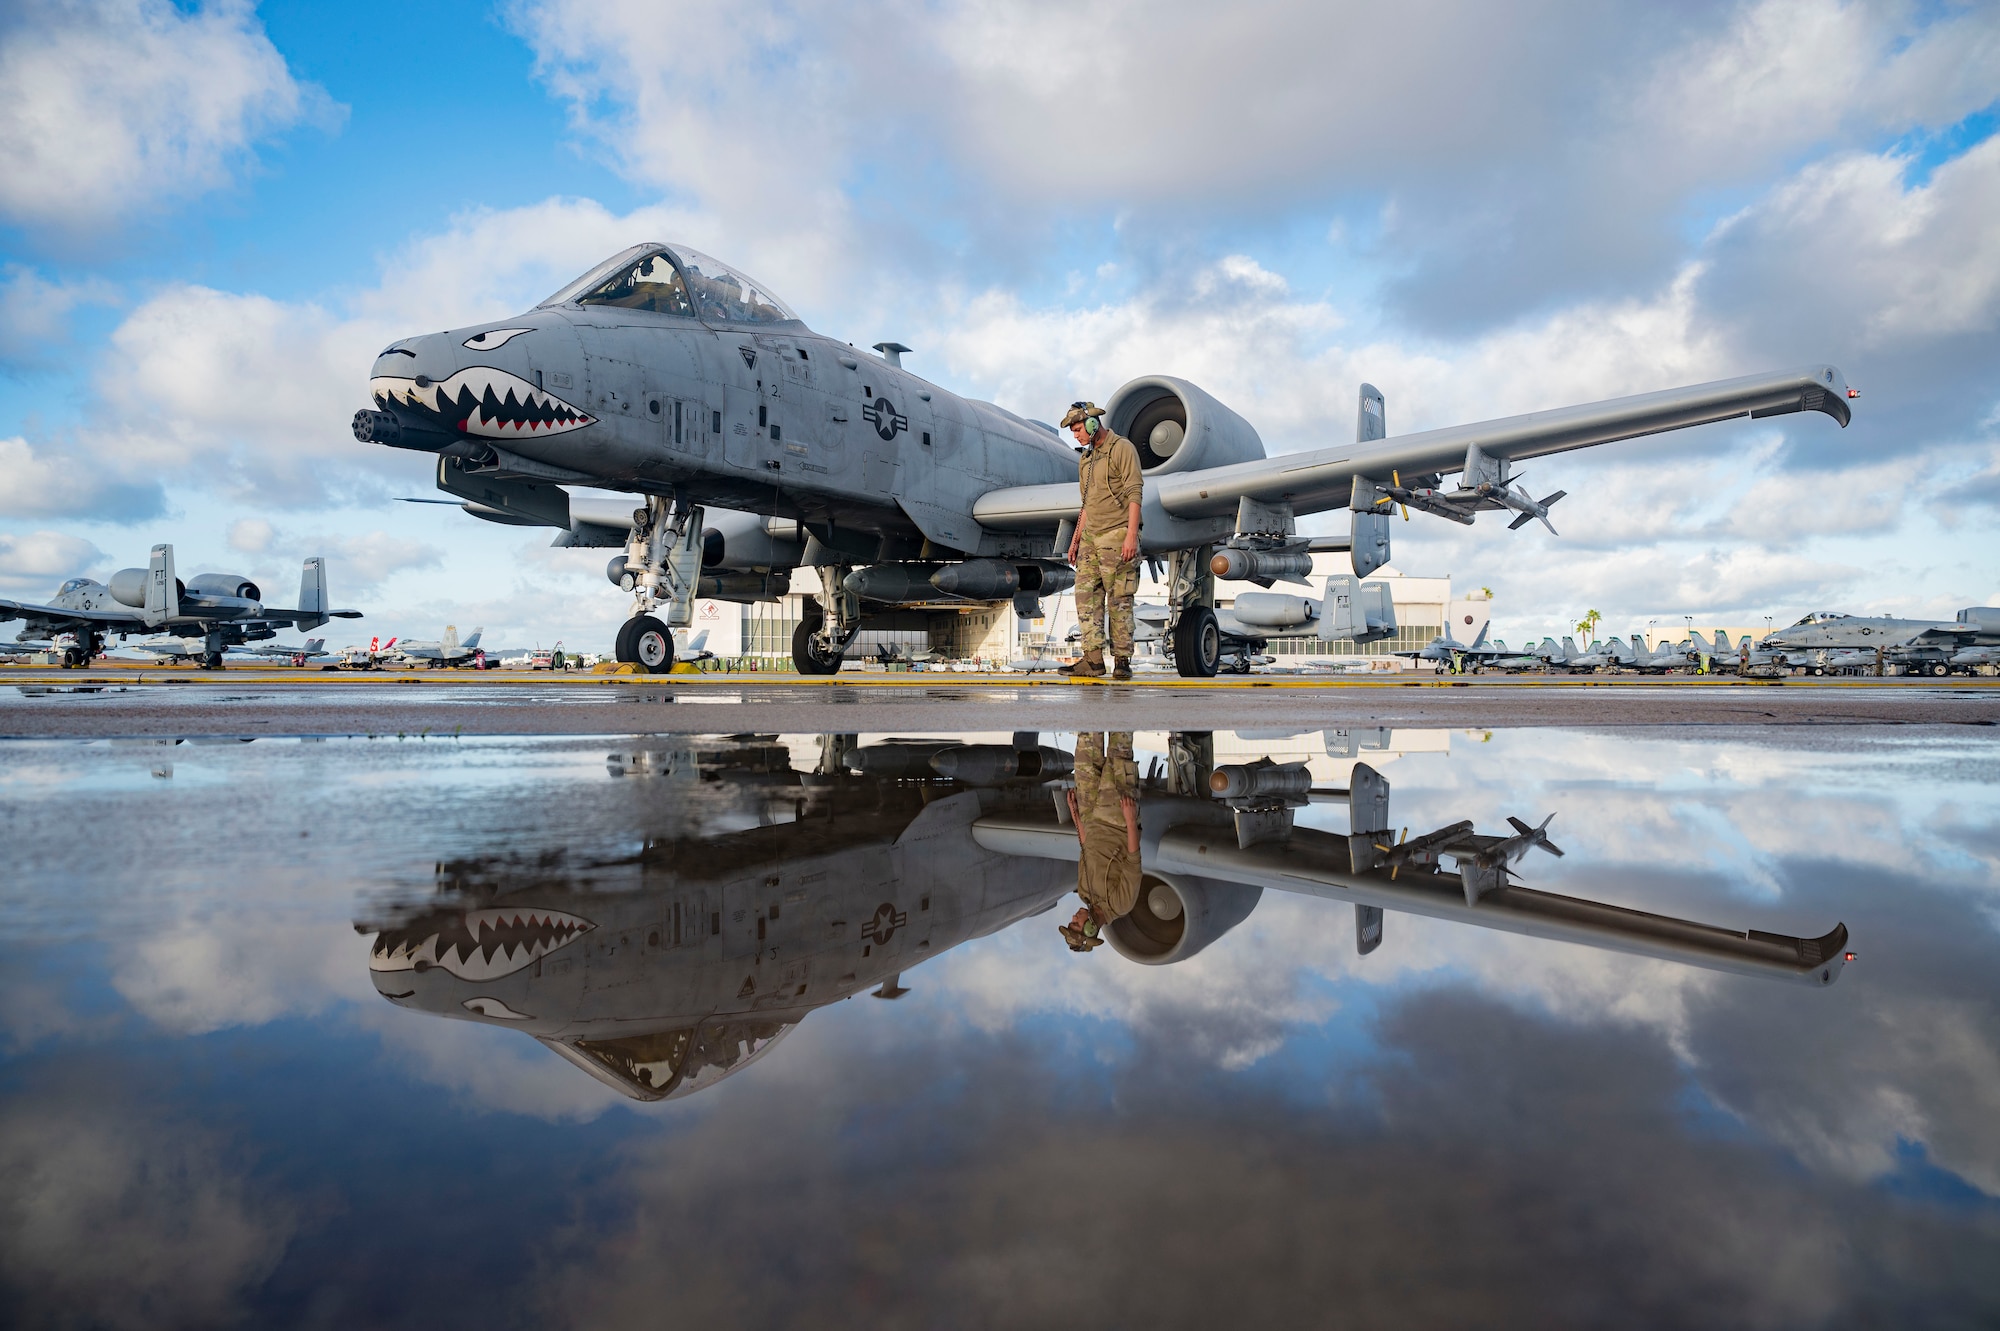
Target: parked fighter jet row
[
  {"x": 761, "y": 892},
  {"x": 1822, "y": 643}
]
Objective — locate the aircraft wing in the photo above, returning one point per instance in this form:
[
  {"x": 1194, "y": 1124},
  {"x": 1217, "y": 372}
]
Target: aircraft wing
[
  {"x": 269, "y": 622},
  {"x": 58, "y": 616},
  {"x": 1323, "y": 478}
]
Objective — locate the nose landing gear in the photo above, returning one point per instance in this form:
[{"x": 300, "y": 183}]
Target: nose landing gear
[{"x": 662, "y": 562}]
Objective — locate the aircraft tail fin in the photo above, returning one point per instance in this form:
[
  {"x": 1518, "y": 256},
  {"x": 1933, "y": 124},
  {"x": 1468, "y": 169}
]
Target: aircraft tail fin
[
  {"x": 700, "y": 641},
  {"x": 471, "y": 644},
  {"x": 1480, "y": 641},
  {"x": 312, "y": 592},
  {"x": 449, "y": 647},
  {"x": 163, "y": 589},
  {"x": 1569, "y": 646},
  {"x": 315, "y": 645},
  {"x": 1371, "y": 422},
  {"x": 1356, "y": 610}
]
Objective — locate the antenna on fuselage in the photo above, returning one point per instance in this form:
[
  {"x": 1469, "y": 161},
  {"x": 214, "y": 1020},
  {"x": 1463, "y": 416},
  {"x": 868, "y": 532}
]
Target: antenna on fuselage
[{"x": 892, "y": 352}]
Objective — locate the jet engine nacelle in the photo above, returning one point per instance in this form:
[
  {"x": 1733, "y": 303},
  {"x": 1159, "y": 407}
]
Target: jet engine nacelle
[
  {"x": 225, "y": 584},
  {"x": 1176, "y": 917},
  {"x": 128, "y": 587},
  {"x": 746, "y": 542},
  {"x": 1178, "y": 427}
]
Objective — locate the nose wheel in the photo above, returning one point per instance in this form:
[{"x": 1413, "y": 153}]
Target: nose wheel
[{"x": 647, "y": 643}]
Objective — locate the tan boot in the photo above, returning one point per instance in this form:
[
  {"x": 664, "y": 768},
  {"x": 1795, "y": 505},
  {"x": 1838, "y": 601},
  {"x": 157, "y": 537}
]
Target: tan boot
[
  {"x": 1090, "y": 667},
  {"x": 1121, "y": 667}
]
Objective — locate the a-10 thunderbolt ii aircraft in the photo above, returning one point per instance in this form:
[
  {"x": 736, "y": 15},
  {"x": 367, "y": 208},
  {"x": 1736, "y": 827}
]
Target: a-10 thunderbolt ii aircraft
[
  {"x": 221, "y": 609},
  {"x": 666, "y": 374},
  {"x": 1824, "y": 640},
  {"x": 759, "y": 893}
]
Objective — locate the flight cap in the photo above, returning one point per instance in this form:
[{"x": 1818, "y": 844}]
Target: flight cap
[{"x": 1079, "y": 410}]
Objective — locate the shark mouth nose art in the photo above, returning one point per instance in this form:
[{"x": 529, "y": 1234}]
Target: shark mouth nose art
[
  {"x": 482, "y": 401},
  {"x": 477, "y": 945}
]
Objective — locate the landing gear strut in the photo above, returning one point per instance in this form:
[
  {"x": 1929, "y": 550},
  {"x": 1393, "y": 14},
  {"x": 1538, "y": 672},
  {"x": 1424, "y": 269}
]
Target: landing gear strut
[
  {"x": 819, "y": 641},
  {"x": 662, "y": 564},
  {"x": 1197, "y": 638}
]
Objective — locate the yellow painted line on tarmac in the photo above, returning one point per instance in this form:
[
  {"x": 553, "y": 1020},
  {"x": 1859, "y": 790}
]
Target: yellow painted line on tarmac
[{"x": 238, "y": 677}]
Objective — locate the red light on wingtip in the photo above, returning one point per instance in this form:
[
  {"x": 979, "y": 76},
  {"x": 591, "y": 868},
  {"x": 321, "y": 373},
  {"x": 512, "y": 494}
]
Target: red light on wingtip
[
  {"x": 1854, "y": 392},
  {"x": 1847, "y": 956}
]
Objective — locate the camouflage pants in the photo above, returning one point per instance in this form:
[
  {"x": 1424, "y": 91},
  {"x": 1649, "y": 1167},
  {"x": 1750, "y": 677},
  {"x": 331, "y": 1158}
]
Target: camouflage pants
[
  {"x": 1105, "y": 771},
  {"x": 1105, "y": 586}
]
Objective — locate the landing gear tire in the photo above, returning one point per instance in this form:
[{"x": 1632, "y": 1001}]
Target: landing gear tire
[
  {"x": 1197, "y": 643},
  {"x": 1939, "y": 668},
  {"x": 211, "y": 660},
  {"x": 71, "y": 658},
  {"x": 806, "y": 652},
  {"x": 645, "y": 642}
]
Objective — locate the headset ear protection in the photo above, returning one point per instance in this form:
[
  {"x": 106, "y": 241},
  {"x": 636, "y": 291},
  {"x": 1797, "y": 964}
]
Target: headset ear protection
[{"x": 1091, "y": 425}]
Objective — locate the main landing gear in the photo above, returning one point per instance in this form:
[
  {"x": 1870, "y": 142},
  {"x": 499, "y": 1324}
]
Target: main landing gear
[
  {"x": 821, "y": 639},
  {"x": 1194, "y": 632},
  {"x": 88, "y": 645}
]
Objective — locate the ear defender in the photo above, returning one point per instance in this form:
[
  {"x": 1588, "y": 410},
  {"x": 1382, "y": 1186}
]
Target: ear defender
[{"x": 1091, "y": 425}]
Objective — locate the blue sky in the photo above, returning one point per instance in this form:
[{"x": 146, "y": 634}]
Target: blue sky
[{"x": 212, "y": 216}]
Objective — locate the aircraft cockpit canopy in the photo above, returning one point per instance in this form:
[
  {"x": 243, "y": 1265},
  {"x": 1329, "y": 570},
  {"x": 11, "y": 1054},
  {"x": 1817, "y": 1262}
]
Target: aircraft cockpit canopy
[
  {"x": 670, "y": 1064},
  {"x": 679, "y": 281},
  {"x": 1818, "y": 617},
  {"x": 72, "y": 585}
]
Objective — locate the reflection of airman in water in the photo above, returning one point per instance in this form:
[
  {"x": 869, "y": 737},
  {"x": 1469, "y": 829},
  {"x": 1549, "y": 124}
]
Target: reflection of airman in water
[{"x": 1104, "y": 809}]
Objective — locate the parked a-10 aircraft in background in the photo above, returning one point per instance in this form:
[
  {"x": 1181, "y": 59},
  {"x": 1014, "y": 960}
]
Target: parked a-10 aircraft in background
[
  {"x": 221, "y": 610},
  {"x": 666, "y": 374}
]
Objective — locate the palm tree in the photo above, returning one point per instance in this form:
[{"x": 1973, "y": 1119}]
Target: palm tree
[{"x": 1587, "y": 623}]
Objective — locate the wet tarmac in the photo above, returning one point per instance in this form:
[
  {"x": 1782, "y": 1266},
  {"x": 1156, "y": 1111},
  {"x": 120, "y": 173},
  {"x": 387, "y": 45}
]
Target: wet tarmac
[
  {"x": 132, "y": 703},
  {"x": 1395, "y": 1025}
]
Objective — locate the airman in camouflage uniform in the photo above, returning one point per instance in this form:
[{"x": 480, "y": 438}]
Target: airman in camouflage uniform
[
  {"x": 1104, "y": 810},
  {"x": 1105, "y": 548}
]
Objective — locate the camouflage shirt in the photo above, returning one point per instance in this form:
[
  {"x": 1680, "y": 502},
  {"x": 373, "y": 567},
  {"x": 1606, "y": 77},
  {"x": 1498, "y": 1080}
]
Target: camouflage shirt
[{"x": 1109, "y": 480}]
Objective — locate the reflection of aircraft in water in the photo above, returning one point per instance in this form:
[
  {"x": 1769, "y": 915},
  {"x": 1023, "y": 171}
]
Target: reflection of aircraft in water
[
  {"x": 761, "y": 892},
  {"x": 663, "y": 972}
]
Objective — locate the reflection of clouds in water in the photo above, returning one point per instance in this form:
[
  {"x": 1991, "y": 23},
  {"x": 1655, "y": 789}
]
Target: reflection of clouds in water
[
  {"x": 488, "y": 1067},
  {"x": 1846, "y": 1078},
  {"x": 1494, "y": 1163},
  {"x": 110, "y": 1219},
  {"x": 223, "y": 967}
]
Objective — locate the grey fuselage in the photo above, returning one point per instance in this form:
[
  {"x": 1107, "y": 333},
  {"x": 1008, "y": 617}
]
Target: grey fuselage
[
  {"x": 1822, "y": 632},
  {"x": 773, "y": 419}
]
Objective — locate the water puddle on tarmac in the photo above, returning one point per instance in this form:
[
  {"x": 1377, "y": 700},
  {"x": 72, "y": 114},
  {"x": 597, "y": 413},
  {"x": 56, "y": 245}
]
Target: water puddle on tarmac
[{"x": 1185, "y": 1028}]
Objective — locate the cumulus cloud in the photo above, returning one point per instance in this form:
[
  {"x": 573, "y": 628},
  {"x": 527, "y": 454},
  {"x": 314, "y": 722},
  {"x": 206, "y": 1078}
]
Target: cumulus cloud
[
  {"x": 33, "y": 562},
  {"x": 49, "y": 481},
  {"x": 115, "y": 105},
  {"x": 1502, "y": 158}
]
